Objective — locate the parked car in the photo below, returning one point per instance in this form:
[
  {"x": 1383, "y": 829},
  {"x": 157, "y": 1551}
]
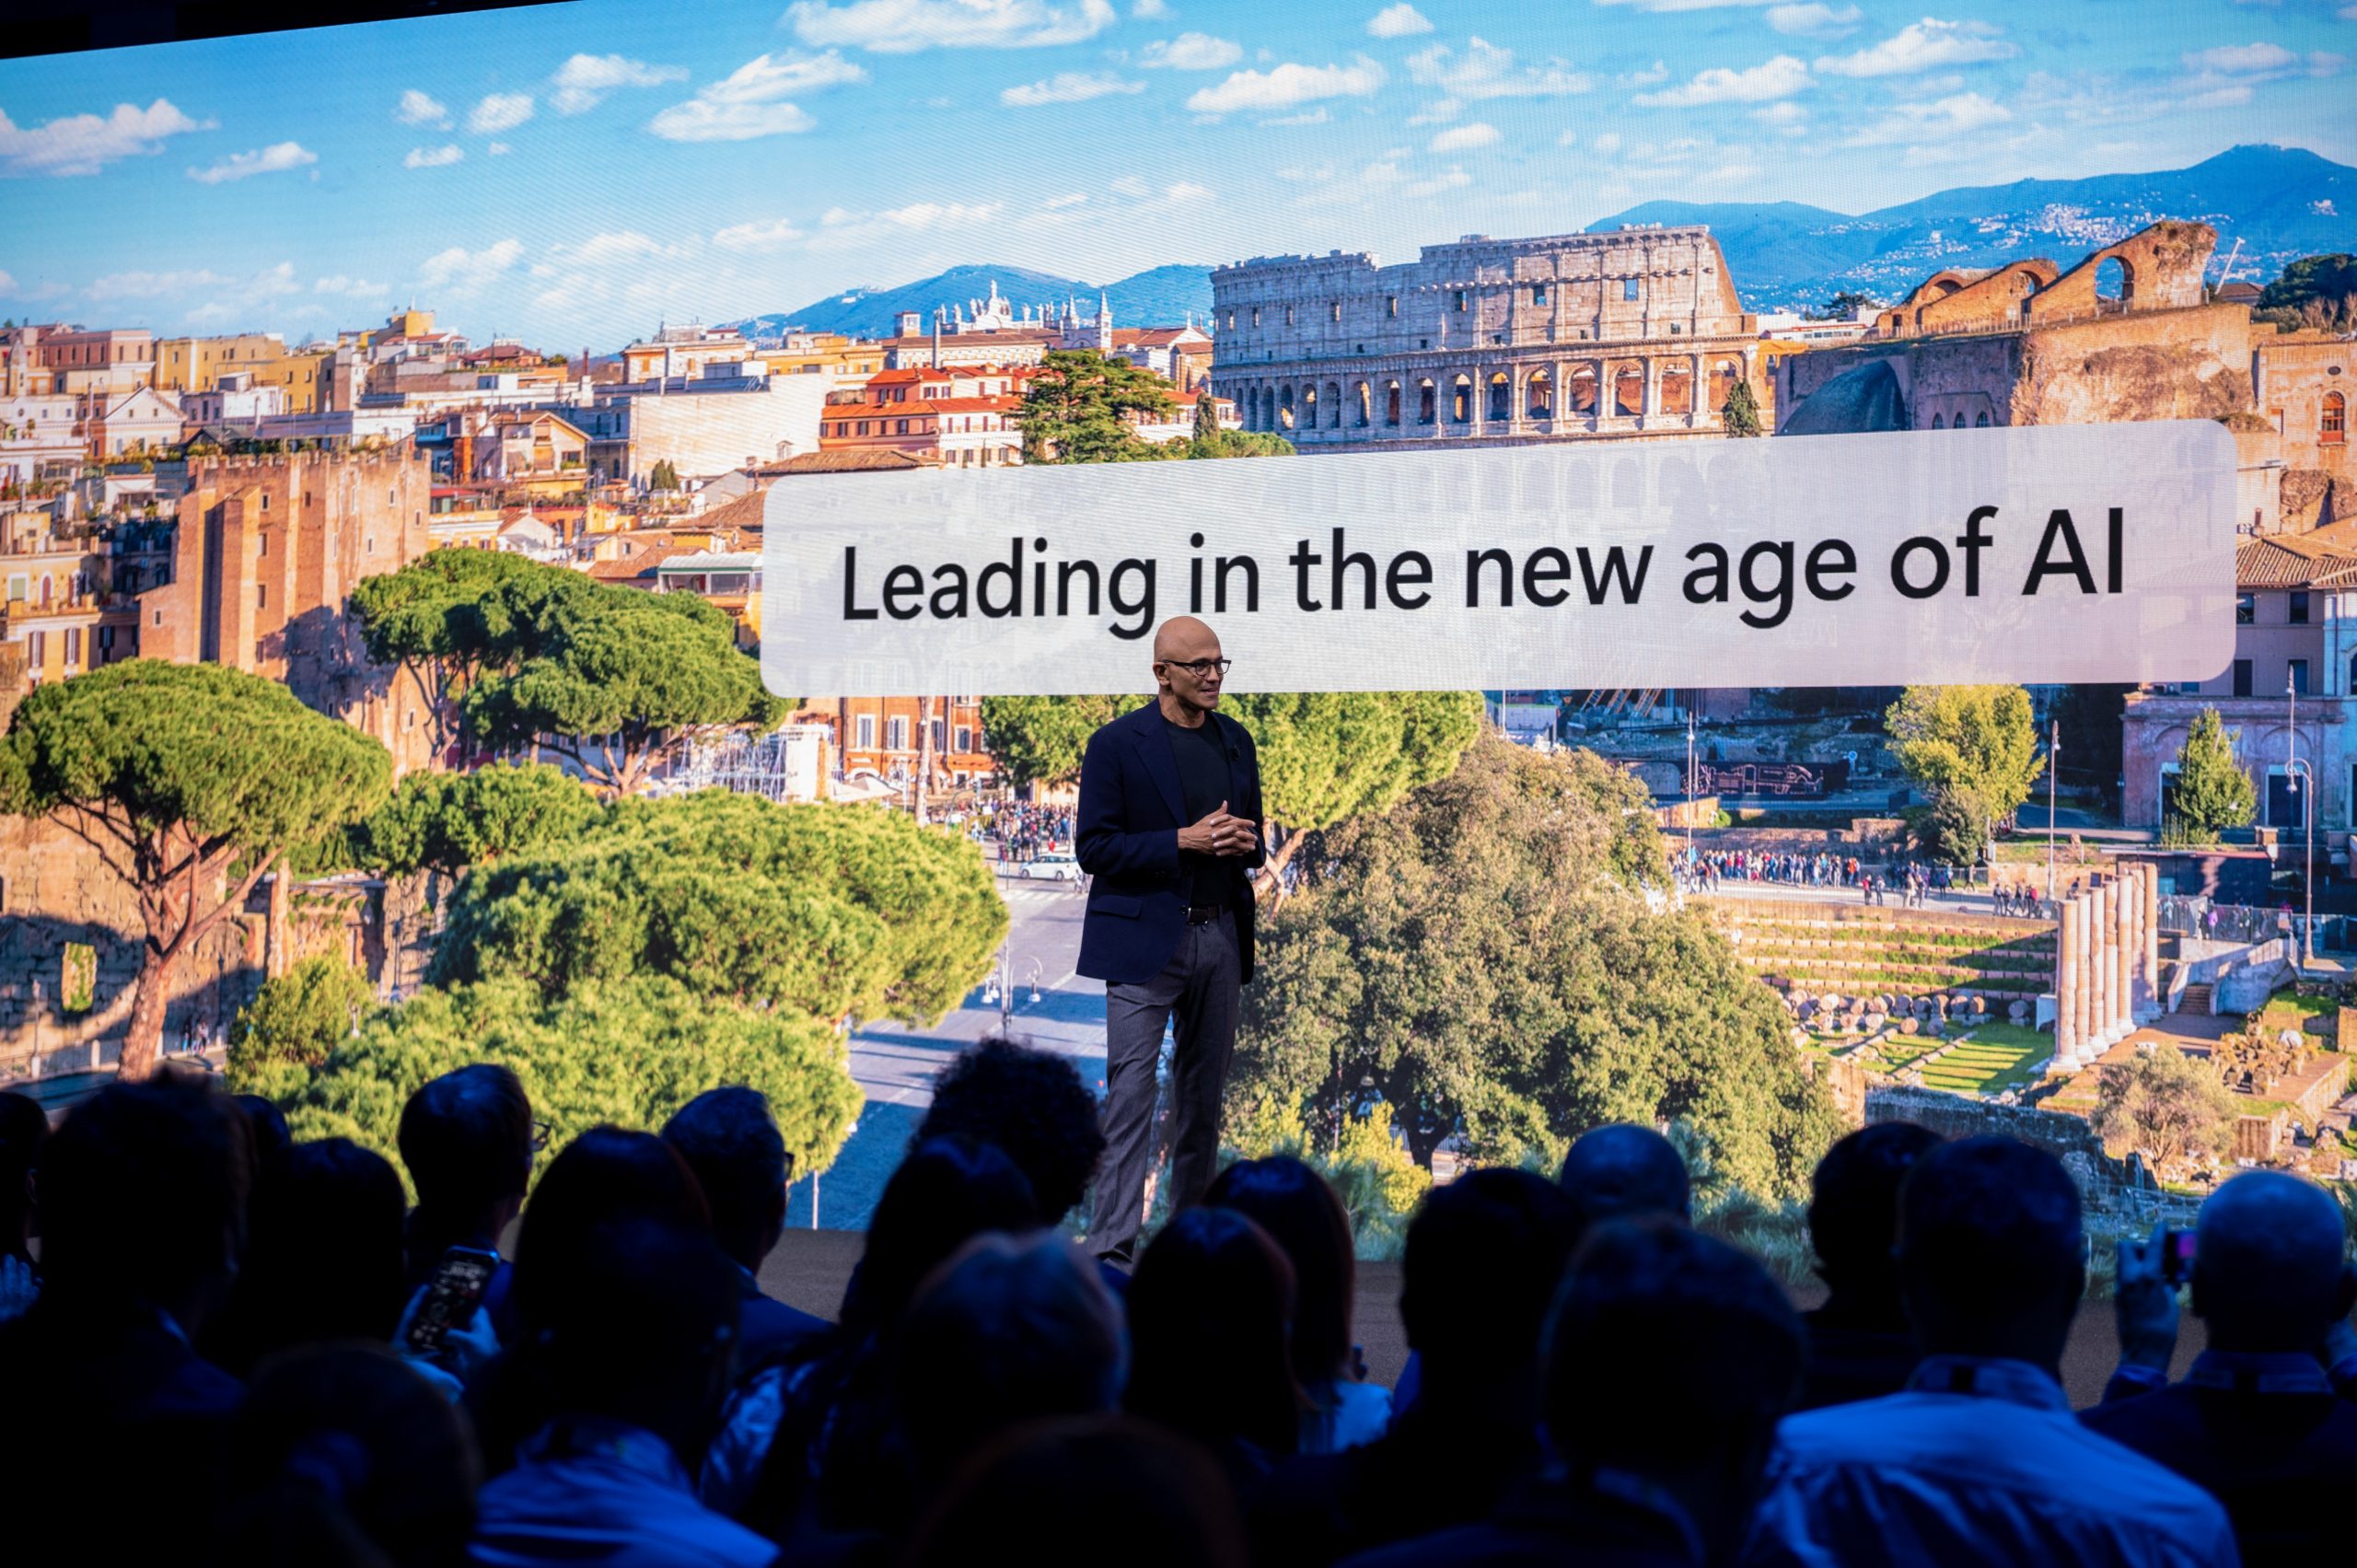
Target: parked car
[{"x": 1054, "y": 866}]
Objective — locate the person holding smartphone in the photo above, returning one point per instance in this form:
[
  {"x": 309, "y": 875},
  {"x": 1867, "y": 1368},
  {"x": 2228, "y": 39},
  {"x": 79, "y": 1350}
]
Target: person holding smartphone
[{"x": 468, "y": 1138}]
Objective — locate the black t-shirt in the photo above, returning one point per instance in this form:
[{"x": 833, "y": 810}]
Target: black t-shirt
[{"x": 1202, "y": 784}]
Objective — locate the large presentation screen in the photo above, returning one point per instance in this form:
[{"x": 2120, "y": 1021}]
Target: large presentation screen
[{"x": 951, "y": 345}]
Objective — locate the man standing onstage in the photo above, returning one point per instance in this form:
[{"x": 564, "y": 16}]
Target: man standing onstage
[{"x": 1169, "y": 830}]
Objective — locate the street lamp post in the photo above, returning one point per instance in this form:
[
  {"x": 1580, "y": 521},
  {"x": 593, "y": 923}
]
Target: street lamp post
[
  {"x": 1689, "y": 785},
  {"x": 2053, "y": 772}
]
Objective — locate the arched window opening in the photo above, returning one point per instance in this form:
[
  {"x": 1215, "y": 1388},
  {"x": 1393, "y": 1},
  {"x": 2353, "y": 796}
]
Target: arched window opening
[
  {"x": 1629, "y": 390},
  {"x": 1539, "y": 395},
  {"x": 1500, "y": 399}
]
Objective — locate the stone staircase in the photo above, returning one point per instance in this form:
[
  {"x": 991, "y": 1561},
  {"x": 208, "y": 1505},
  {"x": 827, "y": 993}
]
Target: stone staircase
[{"x": 2195, "y": 999}]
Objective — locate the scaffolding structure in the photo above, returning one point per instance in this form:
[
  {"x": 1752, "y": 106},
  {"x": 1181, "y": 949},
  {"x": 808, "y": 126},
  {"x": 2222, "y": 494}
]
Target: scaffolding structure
[{"x": 785, "y": 764}]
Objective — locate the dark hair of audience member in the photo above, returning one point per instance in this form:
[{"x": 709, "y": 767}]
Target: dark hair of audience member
[
  {"x": 269, "y": 1134},
  {"x": 1011, "y": 1329},
  {"x": 606, "y": 1174},
  {"x": 1055, "y": 1495},
  {"x": 341, "y": 1455},
  {"x": 324, "y": 1261},
  {"x": 1483, "y": 1257},
  {"x": 1621, "y": 1170},
  {"x": 143, "y": 1201},
  {"x": 466, "y": 1138},
  {"x": 1991, "y": 1258},
  {"x": 641, "y": 1324},
  {"x": 946, "y": 1192},
  {"x": 24, "y": 1127},
  {"x": 1308, "y": 1222},
  {"x": 2270, "y": 1270},
  {"x": 1853, "y": 1214},
  {"x": 732, "y": 1144},
  {"x": 1670, "y": 1358},
  {"x": 1032, "y": 1105},
  {"x": 1209, "y": 1313}
]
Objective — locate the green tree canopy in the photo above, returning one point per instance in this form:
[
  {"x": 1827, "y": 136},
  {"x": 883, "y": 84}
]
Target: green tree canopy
[
  {"x": 191, "y": 782},
  {"x": 444, "y": 617},
  {"x": 613, "y": 678},
  {"x": 1077, "y": 409},
  {"x": 1739, "y": 415},
  {"x": 2212, "y": 792},
  {"x": 1329, "y": 756},
  {"x": 296, "y": 1018},
  {"x": 2164, "y": 1104},
  {"x": 1485, "y": 958},
  {"x": 2319, "y": 292},
  {"x": 450, "y": 821},
  {"x": 629, "y": 1052},
  {"x": 1038, "y": 741},
  {"x": 822, "y": 909},
  {"x": 1206, "y": 416},
  {"x": 1973, "y": 749}
]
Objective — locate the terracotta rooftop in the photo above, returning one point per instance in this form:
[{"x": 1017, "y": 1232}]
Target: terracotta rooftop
[
  {"x": 2294, "y": 560},
  {"x": 745, "y": 512},
  {"x": 855, "y": 460}
]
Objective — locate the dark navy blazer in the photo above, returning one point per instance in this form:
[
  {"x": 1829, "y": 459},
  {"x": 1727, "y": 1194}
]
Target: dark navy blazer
[{"x": 1127, "y": 838}]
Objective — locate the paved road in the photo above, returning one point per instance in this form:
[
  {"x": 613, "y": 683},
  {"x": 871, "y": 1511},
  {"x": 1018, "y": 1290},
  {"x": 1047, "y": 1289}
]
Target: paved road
[
  {"x": 1976, "y": 902},
  {"x": 896, "y": 1066}
]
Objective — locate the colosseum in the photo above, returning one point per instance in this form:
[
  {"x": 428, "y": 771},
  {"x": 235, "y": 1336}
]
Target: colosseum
[{"x": 1491, "y": 342}]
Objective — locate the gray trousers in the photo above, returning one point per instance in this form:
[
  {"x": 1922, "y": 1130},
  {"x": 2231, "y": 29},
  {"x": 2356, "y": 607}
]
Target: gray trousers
[{"x": 1199, "y": 985}]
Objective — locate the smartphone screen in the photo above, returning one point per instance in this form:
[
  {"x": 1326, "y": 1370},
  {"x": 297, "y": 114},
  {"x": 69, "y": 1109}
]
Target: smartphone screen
[
  {"x": 451, "y": 1297},
  {"x": 2176, "y": 1257}
]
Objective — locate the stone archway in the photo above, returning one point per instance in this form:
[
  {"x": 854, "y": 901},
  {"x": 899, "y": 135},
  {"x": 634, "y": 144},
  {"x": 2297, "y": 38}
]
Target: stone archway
[
  {"x": 1627, "y": 390},
  {"x": 1427, "y": 402},
  {"x": 1460, "y": 400},
  {"x": 1582, "y": 391},
  {"x": 1391, "y": 402},
  {"x": 1677, "y": 387},
  {"x": 1362, "y": 406},
  {"x": 1501, "y": 409},
  {"x": 1539, "y": 395}
]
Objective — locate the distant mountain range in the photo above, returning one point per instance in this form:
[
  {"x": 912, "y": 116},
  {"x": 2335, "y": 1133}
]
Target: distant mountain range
[{"x": 2282, "y": 202}]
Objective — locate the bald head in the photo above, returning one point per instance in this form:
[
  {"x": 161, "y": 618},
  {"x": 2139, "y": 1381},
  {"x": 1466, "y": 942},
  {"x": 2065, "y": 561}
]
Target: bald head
[
  {"x": 2269, "y": 1263},
  {"x": 1184, "y": 637},
  {"x": 1621, "y": 1171},
  {"x": 1186, "y": 671}
]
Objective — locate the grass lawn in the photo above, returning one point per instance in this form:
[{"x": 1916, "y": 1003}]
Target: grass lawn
[
  {"x": 2291, "y": 1012},
  {"x": 1989, "y": 1060}
]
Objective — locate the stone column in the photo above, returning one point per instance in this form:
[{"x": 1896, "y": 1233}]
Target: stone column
[
  {"x": 2137, "y": 984},
  {"x": 2107, "y": 966},
  {"x": 2132, "y": 902},
  {"x": 2066, "y": 987},
  {"x": 2154, "y": 1003},
  {"x": 2099, "y": 963},
  {"x": 2083, "y": 994}
]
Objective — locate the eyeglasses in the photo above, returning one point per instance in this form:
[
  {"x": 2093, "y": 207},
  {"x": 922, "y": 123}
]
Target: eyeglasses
[
  {"x": 1202, "y": 669},
  {"x": 540, "y": 1132}
]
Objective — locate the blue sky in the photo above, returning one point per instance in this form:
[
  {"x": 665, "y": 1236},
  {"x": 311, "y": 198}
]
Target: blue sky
[{"x": 569, "y": 174}]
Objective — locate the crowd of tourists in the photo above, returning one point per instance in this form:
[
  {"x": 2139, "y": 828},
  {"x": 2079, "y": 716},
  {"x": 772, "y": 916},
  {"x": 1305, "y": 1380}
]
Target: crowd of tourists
[
  {"x": 1024, "y": 833},
  {"x": 225, "y": 1347},
  {"x": 1710, "y": 870}
]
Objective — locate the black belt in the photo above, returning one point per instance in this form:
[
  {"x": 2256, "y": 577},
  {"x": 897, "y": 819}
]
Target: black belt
[{"x": 1202, "y": 914}]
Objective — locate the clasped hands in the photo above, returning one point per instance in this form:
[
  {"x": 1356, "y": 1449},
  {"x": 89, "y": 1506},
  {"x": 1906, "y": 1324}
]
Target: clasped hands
[{"x": 1220, "y": 834}]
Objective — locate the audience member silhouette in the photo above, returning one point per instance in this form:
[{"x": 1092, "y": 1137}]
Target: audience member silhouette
[
  {"x": 1859, "y": 1344},
  {"x": 606, "y": 1175},
  {"x": 1012, "y": 1330},
  {"x": 731, "y": 1144},
  {"x": 324, "y": 1260},
  {"x": 1980, "y": 1460},
  {"x": 1621, "y": 1170},
  {"x": 1483, "y": 1258},
  {"x": 1670, "y": 1357},
  {"x": 637, "y": 1324},
  {"x": 1210, "y": 1355},
  {"x": 467, "y": 1138},
  {"x": 1304, "y": 1217},
  {"x": 1061, "y": 1494},
  {"x": 812, "y": 1448},
  {"x": 2255, "y": 1423},
  {"x": 342, "y": 1455},
  {"x": 142, "y": 1196},
  {"x": 24, "y": 1127},
  {"x": 1030, "y": 1104}
]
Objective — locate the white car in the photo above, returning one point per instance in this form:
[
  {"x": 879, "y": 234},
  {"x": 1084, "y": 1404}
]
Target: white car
[{"x": 1053, "y": 866}]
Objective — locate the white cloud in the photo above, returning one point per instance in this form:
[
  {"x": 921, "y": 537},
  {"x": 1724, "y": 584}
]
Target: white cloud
[
  {"x": 1813, "y": 19},
  {"x": 1186, "y": 191},
  {"x": 499, "y": 149},
  {"x": 1307, "y": 117},
  {"x": 149, "y": 285},
  {"x": 1147, "y": 9},
  {"x": 82, "y": 144},
  {"x": 1403, "y": 21},
  {"x": 840, "y": 228},
  {"x": 1282, "y": 87},
  {"x": 1939, "y": 119},
  {"x": 1923, "y": 46},
  {"x": 7, "y": 281},
  {"x": 767, "y": 234},
  {"x": 1656, "y": 72},
  {"x": 1192, "y": 51},
  {"x": 751, "y": 100},
  {"x": 1131, "y": 185},
  {"x": 1780, "y": 77},
  {"x": 1433, "y": 185},
  {"x": 1786, "y": 118},
  {"x": 462, "y": 271},
  {"x": 350, "y": 287},
  {"x": 1464, "y": 138},
  {"x": 1071, "y": 199},
  {"x": 618, "y": 246},
  {"x": 904, "y": 26},
  {"x": 582, "y": 81},
  {"x": 275, "y": 158},
  {"x": 434, "y": 157},
  {"x": 499, "y": 112},
  {"x": 1068, "y": 86},
  {"x": 2242, "y": 59},
  {"x": 1606, "y": 143},
  {"x": 1485, "y": 70},
  {"x": 417, "y": 108},
  {"x": 1662, "y": 6}
]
